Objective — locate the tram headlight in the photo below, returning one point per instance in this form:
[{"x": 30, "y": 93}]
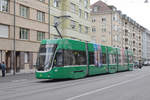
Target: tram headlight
[{"x": 56, "y": 70}]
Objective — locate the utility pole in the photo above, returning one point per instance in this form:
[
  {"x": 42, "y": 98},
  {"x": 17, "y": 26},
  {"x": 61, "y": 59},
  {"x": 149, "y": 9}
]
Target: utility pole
[
  {"x": 48, "y": 19},
  {"x": 14, "y": 41}
]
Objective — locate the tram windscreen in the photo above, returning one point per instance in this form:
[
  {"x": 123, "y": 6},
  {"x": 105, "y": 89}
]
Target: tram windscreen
[{"x": 45, "y": 56}]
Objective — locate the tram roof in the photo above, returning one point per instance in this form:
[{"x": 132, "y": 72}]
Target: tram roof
[{"x": 80, "y": 45}]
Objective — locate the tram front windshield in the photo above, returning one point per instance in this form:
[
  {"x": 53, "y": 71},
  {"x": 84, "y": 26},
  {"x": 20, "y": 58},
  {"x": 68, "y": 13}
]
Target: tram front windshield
[{"x": 45, "y": 56}]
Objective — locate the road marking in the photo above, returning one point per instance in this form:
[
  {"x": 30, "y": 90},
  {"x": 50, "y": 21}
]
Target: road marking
[
  {"x": 21, "y": 80},
  {"x": 105, "y": 88}
]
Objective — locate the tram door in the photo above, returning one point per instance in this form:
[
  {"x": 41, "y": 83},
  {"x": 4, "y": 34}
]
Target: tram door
[
  {"x": 87, "y": 57},
  {"x": 117, "y": 58}
]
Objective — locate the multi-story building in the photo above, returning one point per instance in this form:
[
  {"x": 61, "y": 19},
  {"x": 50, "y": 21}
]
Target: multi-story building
[
  {"x": 106, "y": 24},
  {"x": 132, "y": 36},
  {"x": 22, "y": 29},
  {"x": 146, "y": 46},
  {"x": 111, "y": 27}
]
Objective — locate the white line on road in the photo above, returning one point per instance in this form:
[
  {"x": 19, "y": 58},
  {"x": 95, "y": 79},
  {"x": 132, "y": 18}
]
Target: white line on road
[
  {"x": 104, "y": 88},
  {"x": 21, "y": 80}
]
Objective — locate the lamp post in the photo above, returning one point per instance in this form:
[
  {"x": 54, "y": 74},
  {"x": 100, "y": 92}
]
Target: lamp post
[
  {"x": 1, "y": 55},
  {"x": 14, "y": 41},
  {"x": 48, "y": 19}
]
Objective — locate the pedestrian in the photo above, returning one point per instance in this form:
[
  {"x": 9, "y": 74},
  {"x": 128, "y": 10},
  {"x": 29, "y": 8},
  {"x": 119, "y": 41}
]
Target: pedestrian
[
  {"x": 3, "y": 66},
  {"x": 0, "y": 66}
]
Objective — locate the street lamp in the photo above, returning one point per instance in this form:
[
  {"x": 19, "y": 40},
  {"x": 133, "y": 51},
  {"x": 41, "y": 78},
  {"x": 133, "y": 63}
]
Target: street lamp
[
  {"x": 14, "y": 41},
  {"x": 48, "y": 19}
]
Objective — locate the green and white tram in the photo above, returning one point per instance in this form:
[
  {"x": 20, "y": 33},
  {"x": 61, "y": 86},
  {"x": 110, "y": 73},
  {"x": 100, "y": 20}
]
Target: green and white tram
[{"x": 66, "y": 58}]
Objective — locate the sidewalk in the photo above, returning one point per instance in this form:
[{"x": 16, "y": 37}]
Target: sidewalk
[{"x": 30, "y": 71}]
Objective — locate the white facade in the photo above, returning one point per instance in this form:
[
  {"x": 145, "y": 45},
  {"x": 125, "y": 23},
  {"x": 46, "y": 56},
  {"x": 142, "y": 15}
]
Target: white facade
[{"x": 146, "y": 45}]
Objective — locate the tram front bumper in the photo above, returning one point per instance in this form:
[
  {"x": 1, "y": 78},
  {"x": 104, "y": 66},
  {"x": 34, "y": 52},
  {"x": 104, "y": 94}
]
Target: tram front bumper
[{"x": 43, "y": 75}]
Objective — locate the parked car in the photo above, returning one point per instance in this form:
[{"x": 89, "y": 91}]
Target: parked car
[{"x": 145, "y": 63}]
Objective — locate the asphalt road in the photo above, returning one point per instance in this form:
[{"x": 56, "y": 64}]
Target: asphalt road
[{"x": 129, "y": 85}]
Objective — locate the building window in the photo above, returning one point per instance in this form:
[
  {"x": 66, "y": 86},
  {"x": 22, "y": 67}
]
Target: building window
[
  {"x": 86, "y": 29},
  {"x": 80, "y": 28},
  {"x": 56, "y": 37},
  {"x": 73, "y": 8},
  {"x": 40, "y": 16},
  {"x": 80, "y": 12},
  {"x": 56, "y": 3},
  {"x": 24, "y": 11},
  {"x": 4, "y": 5},
  {"x": 103, "y": 29},
  {"x": 4, "y": 29},
  {"x": 115, "y": 17},
  {"x": 80, "y": 1},
  {"x": 24, "y": 33},
  {"x": 56, "y": 20},
  {"x": 103, "y": 20},
  {"x": 40, "y": 36},
  {"x": 73, "y": 24},
  {"x": 96, "y": 9},
  {"x": 85, "y": 3},
  {"x": 93, "y": 20},
  {"x": 42, "y": 0},
  {"x": 86, "y": 15},
  {"x": 93, "y": 29}
]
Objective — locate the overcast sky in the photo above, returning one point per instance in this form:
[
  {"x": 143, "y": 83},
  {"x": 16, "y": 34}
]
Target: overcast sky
[{"x": 136, "y": 9}]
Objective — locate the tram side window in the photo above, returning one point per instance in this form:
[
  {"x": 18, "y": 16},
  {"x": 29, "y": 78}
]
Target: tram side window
[
  {"x": 91, "y": 58},
  {"x": 69, "y": 58},
  {"x": 112, "y": 59},
  {"x": 115, "y": 59},
  {"x": 104, "y": 58},
  {"x": 130, "y": 59},
  {"x": 72, "y": 57},
  {"x": 125, "y": 59},
  {"x": 119, "y": 59},
  {"x": 80, "y": 57},
  {"x": 58, "y": 61}
]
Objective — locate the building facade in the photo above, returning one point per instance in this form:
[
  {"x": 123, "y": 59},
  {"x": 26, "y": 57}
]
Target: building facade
[
  {"x": 132, "y": 36},
  {"x": 146, "y": 46},
  {"x": 112, "y": 28},
  {"x": 106, "y": 24},
  {"x": 22, "y": 29}
]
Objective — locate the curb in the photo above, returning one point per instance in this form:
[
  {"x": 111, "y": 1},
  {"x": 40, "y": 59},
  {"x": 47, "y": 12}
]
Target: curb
[{"x": 18, "y": 73}]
